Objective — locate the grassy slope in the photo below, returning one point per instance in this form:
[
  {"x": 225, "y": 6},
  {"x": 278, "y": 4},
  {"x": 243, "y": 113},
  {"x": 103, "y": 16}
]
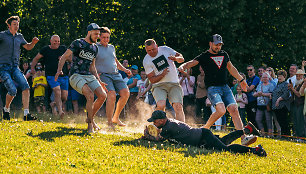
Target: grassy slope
[{"x": 51, "y": 147}]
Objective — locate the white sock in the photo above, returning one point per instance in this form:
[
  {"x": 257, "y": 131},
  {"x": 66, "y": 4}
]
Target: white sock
[
  {"x": 26, "y": 111},
  {"x": 6, "y": 109}
]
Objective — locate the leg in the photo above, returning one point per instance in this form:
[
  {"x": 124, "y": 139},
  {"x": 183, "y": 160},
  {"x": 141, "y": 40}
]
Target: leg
[
  {"x": 89, "y": 95},
  {"x": 220, "y": 111},
  {"x": 26, "y": 98},
  {"x": 110, "y": 106},
  {"x": 75, "y": 105},
  {"x": 64, "y": 96},
  {"x": 101, "y": 96},
  {"x": 124, "y": 96},
  {"x": 258, "y": 118},
  {"x": 269, "y": 122},
  {"x": 232, "y": 136},
  {"x": 58, "y": 100},
  {"x": 8, "y": 100},
  {"x": 178, "y": 108}
]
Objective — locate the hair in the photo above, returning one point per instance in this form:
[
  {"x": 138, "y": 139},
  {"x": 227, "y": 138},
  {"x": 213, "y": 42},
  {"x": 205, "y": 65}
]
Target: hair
[
  {"x": 12, "y": 18},
  {"x": 55, "y": 35},
  {"x": 266, "y": 74},
  {"x": 242, "y": 74},
  {"x": 105, "y": 30},
  {"x": 149, "y": 42},
  {"x": 272, "y": 73},
  {"x": 250, "y": 66},
  {"x": 262, "y": 67},
  {"x": 282, "y": 72}
]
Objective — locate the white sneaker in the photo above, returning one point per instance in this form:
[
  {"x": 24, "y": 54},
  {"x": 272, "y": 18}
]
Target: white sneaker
[{"x": 248, "y": 140}]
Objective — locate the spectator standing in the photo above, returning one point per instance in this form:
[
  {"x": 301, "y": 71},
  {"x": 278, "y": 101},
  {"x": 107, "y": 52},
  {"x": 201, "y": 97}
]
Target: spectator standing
[
  {"x": 292, "y": 77},
  {"x": 261, "y": 70},
  {"x": 84, "y": 77},
  {"x": 252, "y": 82},
  {"x": 132, "y": 85},
  {"x": 263, "y": 94},
  {"x": 273, "y": 78},
  {"x": 161, "y": 71},
  {"x": 141, "y": 84},
  {"x": 107, "y": 66},
  {"x": 39, "y": 85},
  {"x": 202, "y": 110},
  {"x": 281, "y": 103},
  {"x": 233, "y": 88},
  {"x": 125, "y": 64},
  {"x": 303, "y": 119},
  {"x": 10, "y": 44},
  {"x": 187, "y": 82},
  {"x": 51, "y": 55},
  {"x": 298, "y": 104},
  {"x": 242, "y": 100}
]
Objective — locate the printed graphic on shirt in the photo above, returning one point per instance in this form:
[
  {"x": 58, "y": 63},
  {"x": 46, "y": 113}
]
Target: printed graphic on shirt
[
  {"x": 161, "y": 63},
  {"x": 218, "y": 60}
]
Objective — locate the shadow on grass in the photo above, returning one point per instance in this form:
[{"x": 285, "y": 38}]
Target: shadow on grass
[
  {"x": 59, "y": 132},
  {"x": 166, "y": 145}
]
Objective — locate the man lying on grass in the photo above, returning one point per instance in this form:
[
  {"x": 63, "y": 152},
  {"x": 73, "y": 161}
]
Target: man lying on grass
[{"x": 181, "y": 132}]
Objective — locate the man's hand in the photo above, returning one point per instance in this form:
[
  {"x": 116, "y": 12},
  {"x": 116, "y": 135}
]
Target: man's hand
[
  {"x": 128, "y": 72},
  {"x": 181, "y": 68},
  {"x": 173, "y": 58},
  {"x": 58, "y": 74},
  {"x": 33, "y": 71},
  {"x": 147, "y": 136},
  {"x": 35, "y": 40},
  {"x": 244, "y": 86},
  {"x": 290, "y": 86},
  {"x": 103, "y": 85},
  {"x": 165, "y": 71}
]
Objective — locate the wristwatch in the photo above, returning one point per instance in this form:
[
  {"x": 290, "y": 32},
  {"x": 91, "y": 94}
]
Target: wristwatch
[{"x": 241, "y": 80}]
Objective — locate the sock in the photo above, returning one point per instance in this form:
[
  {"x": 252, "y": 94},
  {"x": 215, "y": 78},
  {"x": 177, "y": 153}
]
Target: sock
[
  {"x": 6, "y": 109},
  {"x": 26, "y": 111}
]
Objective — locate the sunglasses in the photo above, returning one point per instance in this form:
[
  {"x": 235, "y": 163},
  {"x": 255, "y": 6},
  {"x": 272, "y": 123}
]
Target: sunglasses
[
  {"x": 269, "y": 70},
  {"x": 249, "y": 69}
]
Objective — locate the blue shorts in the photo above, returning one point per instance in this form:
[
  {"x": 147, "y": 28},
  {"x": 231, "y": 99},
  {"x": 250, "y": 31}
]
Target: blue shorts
[
  {"x": 114, "y": 81},
  {"x": 9, "y": 73},
  {"x": 63, "y": 82},
  {"x": 73, "y": 95},
  {"x": 221, "y": 94}
]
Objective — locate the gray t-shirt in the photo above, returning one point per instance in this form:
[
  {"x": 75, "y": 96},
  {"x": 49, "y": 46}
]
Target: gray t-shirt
[
  {"x": 181, "y": 132},
  {"x": 106, "y": 59},
  {"x": 10, "y": 47}
]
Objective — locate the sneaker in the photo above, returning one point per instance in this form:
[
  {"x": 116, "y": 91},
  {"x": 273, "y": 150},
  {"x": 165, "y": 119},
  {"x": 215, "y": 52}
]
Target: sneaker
[
  {"x": 6, "y": 115},
  {"x": 252, "y": 129},
  {"x": 29, "y": 117},
  {"x": 248, "y": 140},
  {"x": 260, "y": 151}
]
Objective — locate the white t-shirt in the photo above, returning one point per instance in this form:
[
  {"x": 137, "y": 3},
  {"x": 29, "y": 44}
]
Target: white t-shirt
[
  {"x": 141, "y": 85},
  {"x": 160, "y": 62}
]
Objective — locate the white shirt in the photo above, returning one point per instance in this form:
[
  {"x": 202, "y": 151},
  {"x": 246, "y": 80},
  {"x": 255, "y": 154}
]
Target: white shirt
[
  {"x": 293, "y": 80},
  {"x": 160, "y": 62}
]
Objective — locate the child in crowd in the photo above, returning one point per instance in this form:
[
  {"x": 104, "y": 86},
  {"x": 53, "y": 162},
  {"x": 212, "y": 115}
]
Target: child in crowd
[
  {"x": 141, "y": 86},
  {"x": 242, "y": 100},
  {"x": 39, "y": 85}
]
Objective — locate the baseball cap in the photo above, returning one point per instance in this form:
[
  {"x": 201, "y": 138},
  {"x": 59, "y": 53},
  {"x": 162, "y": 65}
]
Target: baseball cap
[
  {"x": 216, "y": 39},
  {"x": 134, "y": 67},
  {"x": 157, "y": 115},
  {"x": 93, "y": 26}
]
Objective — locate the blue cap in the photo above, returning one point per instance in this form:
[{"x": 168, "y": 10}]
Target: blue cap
[
  {"x": 134, "y": 67},
  {"x": 216, "y": 39},
  {"x": 93, "y": 26}
]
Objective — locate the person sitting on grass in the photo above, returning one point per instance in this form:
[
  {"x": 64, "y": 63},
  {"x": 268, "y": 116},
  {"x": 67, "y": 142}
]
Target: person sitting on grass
[{"x": 181, "y": 132}]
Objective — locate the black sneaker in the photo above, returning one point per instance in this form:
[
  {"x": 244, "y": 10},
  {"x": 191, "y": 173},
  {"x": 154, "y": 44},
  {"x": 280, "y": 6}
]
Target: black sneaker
[
  {"x": 252, "y": 129},
  {"x": 6, "y": 115},
  {"x": 29, "y": 117},
  {"x": 260, "y": 151}
]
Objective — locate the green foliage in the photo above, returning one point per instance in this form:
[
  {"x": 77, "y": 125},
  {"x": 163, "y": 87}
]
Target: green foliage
[
  {"x": 54, "y": 147},
  {"x": 254, "y": 32}
]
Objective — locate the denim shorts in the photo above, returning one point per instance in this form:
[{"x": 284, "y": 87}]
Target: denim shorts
[
  {"x": 221, "y": 94},
  {"x": 114, "y": 81},
  {"x": 63, "y": 82},
  {"x": 9, "y": 75}
]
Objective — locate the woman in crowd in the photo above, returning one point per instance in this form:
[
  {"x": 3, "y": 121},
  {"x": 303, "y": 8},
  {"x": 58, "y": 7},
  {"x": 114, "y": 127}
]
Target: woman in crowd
[
  {"x": 263, "y": 94},
  {"x": 281, "y": 103},
  {"x": 187, "y": 81}
]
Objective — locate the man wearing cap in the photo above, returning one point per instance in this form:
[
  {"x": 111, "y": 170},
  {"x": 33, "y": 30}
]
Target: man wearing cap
[
  {"x": 181, "y": 132},
  {"x": 10, "y": 43},
  {"x": 162, "y": 73},
  {"x": 216, "y": 64},
  {"x": 107, "y": 66},
  {"x": 83, "y": 74},
  {"x": 297, "y": 105},
  {"x": 132, "y": 85},
  {"x": 51, "y": 55}
]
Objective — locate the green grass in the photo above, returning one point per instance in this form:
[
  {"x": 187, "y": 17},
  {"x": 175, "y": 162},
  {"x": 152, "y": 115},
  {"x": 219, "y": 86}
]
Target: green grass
[{"x": 65, "y": 147}]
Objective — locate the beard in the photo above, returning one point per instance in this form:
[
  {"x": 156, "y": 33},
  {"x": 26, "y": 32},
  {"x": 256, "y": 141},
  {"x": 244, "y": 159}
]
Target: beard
[
  {"x": 91, "y": 40},
  {"x": 298, "y": 82}
]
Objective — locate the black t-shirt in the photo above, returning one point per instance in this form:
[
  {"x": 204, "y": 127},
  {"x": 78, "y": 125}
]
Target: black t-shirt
[
  {"x": 83, "y": 55},
  {"x": 214, "y": 66},
  {"x": 51, "y": 58}
]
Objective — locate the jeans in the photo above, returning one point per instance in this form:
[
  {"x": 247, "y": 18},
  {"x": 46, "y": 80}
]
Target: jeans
[
  {"x": 9, "y": 75},
  {"x": 220, "y": 94}
]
